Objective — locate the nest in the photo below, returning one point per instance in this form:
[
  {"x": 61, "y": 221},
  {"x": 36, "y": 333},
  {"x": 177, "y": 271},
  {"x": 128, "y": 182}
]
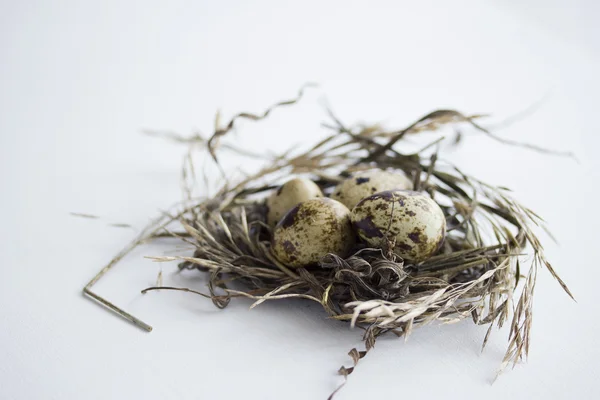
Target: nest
[{"x": 478, "y": 273}]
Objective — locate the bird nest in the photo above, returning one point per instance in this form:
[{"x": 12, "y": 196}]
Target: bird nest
[{"x": 477, "y": 274}]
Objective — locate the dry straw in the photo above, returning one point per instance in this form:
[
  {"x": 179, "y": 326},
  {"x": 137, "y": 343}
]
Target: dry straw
[{"x": 477, "y": 275}]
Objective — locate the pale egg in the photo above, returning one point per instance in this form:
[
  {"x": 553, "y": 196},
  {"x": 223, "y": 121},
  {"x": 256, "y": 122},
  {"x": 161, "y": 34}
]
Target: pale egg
[
  {"x": 288, "y": 195},
  {"x": 365, "y": 183}
]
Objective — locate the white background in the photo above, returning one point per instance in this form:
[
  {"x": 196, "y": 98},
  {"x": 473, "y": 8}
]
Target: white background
[{"x": 79, "y": 80}]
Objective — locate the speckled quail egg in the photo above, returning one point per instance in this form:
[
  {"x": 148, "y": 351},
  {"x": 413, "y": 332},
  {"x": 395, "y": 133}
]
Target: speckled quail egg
[
  {"x": 288, "y": 195},
  {"x": 412, "y": 219},
  {"x": 311, "y": 230},
  {"x": 365, "y": 183}
]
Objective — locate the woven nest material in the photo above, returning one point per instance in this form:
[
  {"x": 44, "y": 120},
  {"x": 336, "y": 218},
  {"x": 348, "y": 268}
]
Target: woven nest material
[{"x": 478, "y": 273}]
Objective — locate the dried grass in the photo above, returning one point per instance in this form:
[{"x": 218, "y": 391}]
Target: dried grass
[{"x": 475, "y": 275}]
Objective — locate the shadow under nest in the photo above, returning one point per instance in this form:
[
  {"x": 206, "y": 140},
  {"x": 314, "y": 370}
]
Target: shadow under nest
[{"x": 475, "y": 274}]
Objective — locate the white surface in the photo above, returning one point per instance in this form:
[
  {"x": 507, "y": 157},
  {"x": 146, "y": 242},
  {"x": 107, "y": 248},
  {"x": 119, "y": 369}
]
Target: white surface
[{"x": 79, "y": 80}]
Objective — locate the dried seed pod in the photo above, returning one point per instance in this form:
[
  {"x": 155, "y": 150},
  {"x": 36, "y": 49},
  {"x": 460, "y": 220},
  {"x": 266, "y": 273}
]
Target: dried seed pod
[
  {"x": 410, "y": 220},
  {"x": 365, "y": 183},
  {"x": 311, "y": 230},
  {"x": 288, "y": 195}
]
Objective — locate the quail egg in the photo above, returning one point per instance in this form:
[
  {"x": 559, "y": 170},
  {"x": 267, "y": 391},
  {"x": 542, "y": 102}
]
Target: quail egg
[
  {"x": 288, "y": 195},
  {"x": 311, "y": 230},
  {"x": 365, "y": 183},
  {"x": 411, "y": 220}
]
